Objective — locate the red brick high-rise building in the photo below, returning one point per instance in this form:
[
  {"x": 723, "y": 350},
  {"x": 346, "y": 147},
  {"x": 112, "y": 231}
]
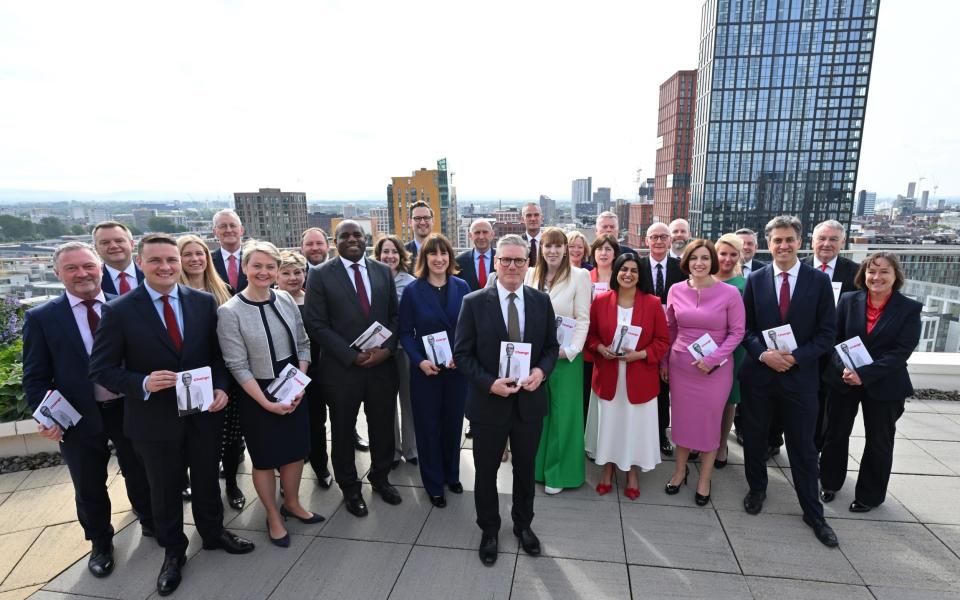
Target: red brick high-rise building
[
  {"x": 641, "y": 217},
  {"x": 678, "y": 96}
]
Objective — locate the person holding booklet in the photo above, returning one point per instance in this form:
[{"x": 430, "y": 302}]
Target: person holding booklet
[
  {"x": 429, "y": 310},
  {"x": 887, "y": 324},
  {"x": 625, "y": 386},
  {"x": 261, "y": 332},
  {"x": 729, "y": 252},
  {"x": 603, "y": 251},
  {"x": 559, "y": 461},
  {"x": 701, "y": 313}
]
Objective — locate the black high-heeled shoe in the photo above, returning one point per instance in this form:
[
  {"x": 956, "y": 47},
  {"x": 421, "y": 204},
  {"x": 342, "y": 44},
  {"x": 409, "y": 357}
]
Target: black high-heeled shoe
[
  {"x": 315, "y": 518},
  {"x": 700, "y": 499},
  {"x": 671, "y": 489},
  {"x": 283, "y": 542}
]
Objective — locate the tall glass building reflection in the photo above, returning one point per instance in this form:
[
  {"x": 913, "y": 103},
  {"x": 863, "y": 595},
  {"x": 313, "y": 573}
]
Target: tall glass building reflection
[{"x": 781, "y": 96}]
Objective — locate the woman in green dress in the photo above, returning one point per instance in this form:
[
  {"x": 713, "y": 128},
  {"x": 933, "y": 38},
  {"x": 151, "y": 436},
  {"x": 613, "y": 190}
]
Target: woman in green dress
[
  {"x": 559, "y": 461},
  {"x": 729, "y": 252}
]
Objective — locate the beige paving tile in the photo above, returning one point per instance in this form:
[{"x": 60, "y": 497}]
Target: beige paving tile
[
  {"x": 13, "y": 546},
  {"x": 3, "y": 497},
  {"x": 45, "y": 477},
  {"x": 10, "y": 481},
  {"x": 38, "y": 508},
  {"x": 20, "y": 594}
]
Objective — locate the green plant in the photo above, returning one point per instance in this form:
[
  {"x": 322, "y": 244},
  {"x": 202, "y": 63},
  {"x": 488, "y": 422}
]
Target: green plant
[{"x": 13, "y": 402}]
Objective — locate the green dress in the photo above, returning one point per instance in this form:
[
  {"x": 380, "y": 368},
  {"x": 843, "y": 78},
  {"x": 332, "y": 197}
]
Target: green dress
[
  {"x": 560, "y": 461},
  {"x": 740, "y": 283}
]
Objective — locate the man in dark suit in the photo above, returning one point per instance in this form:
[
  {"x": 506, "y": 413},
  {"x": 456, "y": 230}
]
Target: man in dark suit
[
  {"x": 228, "y": 230},
  {"x": 421, "y": 224},
  {"x": 345, "y": 296},
  {"x": 829, "y": 237},
  {"x": 533, "y": 222},
  {"x": 658, "y": 272},
  {"x": 477, "y": 263},
  {"x": 57, "y": 340},
  {"x": 145, "y": 339},
  {"x": 609, "y": 224},
  {"x": 114, "y": 244},
  {"x": 786, "y": 292},
  {"x": 503, "y": 408},
  {"x": 749, "y": 263}
]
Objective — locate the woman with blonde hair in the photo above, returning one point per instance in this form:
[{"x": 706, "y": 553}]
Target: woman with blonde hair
[
  {"x": 729, "y": 249},
  {"x": 292, "y": 275},
  {"x": 577, "y": 248}
]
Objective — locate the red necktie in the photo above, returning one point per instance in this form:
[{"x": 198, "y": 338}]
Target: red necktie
[
  {"x": 170, "y": 318},
  {"x": 361, "y": 290},
  {"x": 124, "y": 284},
  {"x": 93, "y": 319},
  {"x": 823, "y": 267},
  {"x": 784, "y": 296},
  {"x": 482, "y": 275},
  {"x": 232, "y": 274}
]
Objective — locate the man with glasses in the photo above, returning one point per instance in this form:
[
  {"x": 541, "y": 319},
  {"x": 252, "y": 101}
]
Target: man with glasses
[
  {"x": 421, "y": 223},
  {"x": 227, "y": 260}
]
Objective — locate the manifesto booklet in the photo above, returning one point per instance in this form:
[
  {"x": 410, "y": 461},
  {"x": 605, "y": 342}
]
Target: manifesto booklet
[
  {"x": 194, "y": 391},
  {"x": 625, "y": 338},
  {"x": 287, "y": 385},
  {"x": 565, "y": 329},
  {"x": 853, "y": 353},
  {"x": 780, "y": 338},
  {"x": 703, "y": 347},
  {"x": 515, "y": 360},
  {"x": 437, "y": 349},
  {"x": 600, "y": 287},
  {"x": 56, "y": 410},
  {"x": 373, "y": 337}
]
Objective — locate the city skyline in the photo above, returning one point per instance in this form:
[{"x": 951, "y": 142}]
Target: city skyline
[{"x": 202, "y": 117}]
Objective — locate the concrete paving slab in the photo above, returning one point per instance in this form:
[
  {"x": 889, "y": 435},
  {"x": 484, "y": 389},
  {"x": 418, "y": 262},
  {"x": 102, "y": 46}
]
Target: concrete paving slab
[
  {"x": 571, "y": 528},
  {"x": 667, "y": 536},
  {"x": 468, "y": 473},
  {"x": 932, "y": 499},
  {"x": 44, "y": 477},
  {"x": 545, "y": 577},
  {"x": 464, "y": 577},
  {"x": 313, "y": 498},
  {"x": 339, "y": 569},
  {"x": 908, "y": 457},
  {"x": 3, "y": 497},
  {"x": 38, "y": 508},
  {"x": 10, "y": 481},
  {"x": 13, "y": 546},
  {"x": 945, "y": 407},
  {"x": 774, "y": 545},
  {"x": 385, "y": 523},
  {"x": 20, "y": 594},
  {"x": 891, "y": 509},
  {"x": 771, "y": 588},
  {"x": 406, "y": 475},
  {"x": 244, "y": 482},
  {"x": 455, "y": 526},
  {"x": 948, "y": 453},
  {"x": 729, "y": 486},
  {"x": 928, "y": 426},
  {"x": 654, "y": 582},
  {"x": 45, "y": 595},
  {"x": 893, "y": 593},
  {"x": 949, "y": 535},
  {"x": 914, "y": 557}
]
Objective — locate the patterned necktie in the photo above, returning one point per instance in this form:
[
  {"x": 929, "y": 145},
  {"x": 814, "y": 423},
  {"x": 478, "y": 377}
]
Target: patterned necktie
[
  {"x": 361, "y": 290},
  {"x": 659, "y": 289},
  {"x": 533, "y": 251},
  {"x": 233, "y": 275},
  {"x": 170, "y": 318},
  {"x": 482, "y": 273},
  {"x": 124, "y": 284},
  {"x": 784, "y": 296},
  {"x": 513, "y": 319},
  {"x": 93, "y": 319}
]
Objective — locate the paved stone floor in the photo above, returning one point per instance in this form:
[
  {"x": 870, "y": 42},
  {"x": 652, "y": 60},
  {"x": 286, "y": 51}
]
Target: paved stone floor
[{"x": 594, "y": 547}]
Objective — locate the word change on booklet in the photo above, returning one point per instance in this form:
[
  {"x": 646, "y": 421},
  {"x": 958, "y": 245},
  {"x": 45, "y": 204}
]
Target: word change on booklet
[
  {"x": 600, "y": 287},
  {"x": 625, "y": 338},
  {"x": 194, "y": 391},
  {"x": 515, "y": 360},
  {"x": 703, "y": 347},
  {"x": 437, "y": 348},
  {"x": 56, "y": 410},
  {"x": 853, "y": 353},
  {"x": 780, "y": 338},
  {"x": 285, "y": 388},
  {"x": 565, "y": 328},
  {"x": 373, "y": 337}
]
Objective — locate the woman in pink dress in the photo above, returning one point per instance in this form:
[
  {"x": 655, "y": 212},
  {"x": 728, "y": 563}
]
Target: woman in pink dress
[{"x": 700, "y": 380}]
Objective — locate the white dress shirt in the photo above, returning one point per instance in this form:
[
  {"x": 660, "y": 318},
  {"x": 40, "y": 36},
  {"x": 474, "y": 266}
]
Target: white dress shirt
[
  {"x": 818, "y": 265},
  {"x": 348, "y": 265},
  {"x": 792, "y": 279},
  {"x": 100, "y": 393},
  {"x": 131, "y": 272},
  {"x": 502, "y": 293},
  {"x": 653, "y": 271}
]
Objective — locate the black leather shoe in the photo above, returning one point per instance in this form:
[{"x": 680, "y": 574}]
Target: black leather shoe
[
  {"x": 438, "y": 501},
  {"x": 230, "y": 543},
  {"x": 235, "y": 498},
  {"x": 325, "y": 481},
  {"x": 753, "y": 502},
  {"x": 719, "y": 464},
  {"x": 280, "y": 542},
  {"x": 146, "y": 530},
  {"x": 528, "y": 541},
  {"x": 859, "y": 507},
  {"x": 186, "y": 494},
  {"x": 101, "y": 560},
  {"x": 359, "y": 443},
  {"x": 824, "y": 532},
  {"x": 827, "y": 495},
  {"x": 170, "y": 576},
  {"x": 488, "y": 549},
  {"x": 356, "y": 506},
  {"x": 772, "y": 451},
  {"x": 389, "y": 493},
  {"x": 739, "y": 438},
  {"x": 456, "y": 488},
  {"x": 666, "y": 449},
  {"x": 671, "y": 489}
]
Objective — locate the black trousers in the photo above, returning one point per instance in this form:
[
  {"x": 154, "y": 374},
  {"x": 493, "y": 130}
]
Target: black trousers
[
  {"x": 799, "y": 410},
  {"x": 165, "y": 461},
  {"x": 488, "y": 444},
  {"x": 663, "y": 411},
  {"x": 378, "y": 394},
  {"x": 318, "y": 429},
  {"x": 87, "y": 460},
  {"x": 880, "y": 425}
]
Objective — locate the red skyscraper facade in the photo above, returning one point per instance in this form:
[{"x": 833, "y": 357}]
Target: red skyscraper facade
[{"x": 678, "y": 95}]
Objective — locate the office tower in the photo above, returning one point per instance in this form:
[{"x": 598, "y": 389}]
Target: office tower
[
  {"x": 641, "y": 217},
  {"x": 271, "y": 215},
  {"x": 674, "y": 146},
  {"x": 381, "y": 215},
  {"x": 582, "y": 190},
  {"x": 622, "y": 208},
  {"x": 647, "y": 189},
  {"x": 924, "y": 199},
  {"x": 430, "y": 186},
  {"x": 349, "y": 211},
  {"x": 548, "y": 206},
  {"x": 941, "y": 203},
  {"x": 866, "y": 203},
  {"x": 781, "y": 97},
  {"x": 912, "y": 189},
  {"x": 601, "y": 200}
]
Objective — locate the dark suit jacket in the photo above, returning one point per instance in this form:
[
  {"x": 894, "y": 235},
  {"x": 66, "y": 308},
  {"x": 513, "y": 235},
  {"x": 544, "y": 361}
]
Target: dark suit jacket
[
  {"x": 843, "y": 272},
  {"x": 672, "y": 276},
  {"x": 812, "y": 316},
  {"x": 54, "y": 358},
  {"x": 222, "y": 271},
  {"x": 132, "y": 341},
  {"x": 333, "y": 317},
  {"x": 110, "y": 289},
  {"x": 480, "y": 330},
  {"x": 421, "y": 314},
  {"x": 468, "y": 270},
  {"x": 411, "y": 247},
  {"x": 892, "y": 341}
]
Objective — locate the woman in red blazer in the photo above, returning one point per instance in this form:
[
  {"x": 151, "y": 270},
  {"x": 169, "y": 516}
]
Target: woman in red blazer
[{"x": 626, "y": 382}]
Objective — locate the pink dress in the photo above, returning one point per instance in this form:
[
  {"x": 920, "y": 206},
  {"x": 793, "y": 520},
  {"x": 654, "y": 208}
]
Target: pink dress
[{"x": 697, "y": 399}]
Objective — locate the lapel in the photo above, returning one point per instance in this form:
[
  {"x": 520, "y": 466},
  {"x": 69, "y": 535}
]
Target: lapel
[
  {"x": 190, "y": 315},
  {"x": 68, "y": 324},
  {"x": 768, "y": 289},
  {"x": 858, "y": 315},
  {"x": 888, "y": 313},
  {"x": 106, "y": 282},
  {"x": 529, "y": 315},
  {"x": 149, "y": 317},
  {"x": 469, "y": 273},
  {"x": 493, "y": 300},
  {"x": 803, "y": 278},
  {"x": 377, "y": 285}
]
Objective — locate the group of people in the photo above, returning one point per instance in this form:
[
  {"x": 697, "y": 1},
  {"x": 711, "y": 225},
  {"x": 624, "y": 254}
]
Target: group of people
[{"x": 624, "y": 353}]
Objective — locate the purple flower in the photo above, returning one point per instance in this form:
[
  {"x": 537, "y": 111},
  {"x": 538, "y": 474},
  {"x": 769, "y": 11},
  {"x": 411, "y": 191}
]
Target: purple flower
[{"x": 11, "y": 321}]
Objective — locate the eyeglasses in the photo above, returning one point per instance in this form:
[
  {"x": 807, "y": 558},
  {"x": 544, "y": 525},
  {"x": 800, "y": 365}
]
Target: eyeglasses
[
  {"x": 659, "y": 238},
  {"x": 421, "y": 219},
  {"x": 517, "y": 262},
  {"x": 223, "y": 226}
]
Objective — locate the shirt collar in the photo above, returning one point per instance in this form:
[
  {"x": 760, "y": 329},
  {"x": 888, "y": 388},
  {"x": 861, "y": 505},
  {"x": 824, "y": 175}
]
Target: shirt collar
[
  {"x": 503, "y": 292},
  {"x": 654, "y": 262},
  {"x": 131, "y": 271},
  {"x": 155, "y": 295},
  {"x": 75, "y": 300},
  {"x": 477, "y": 253},
  {"x": 348, "y": 264},
  {"x": 793, "y": 271},
  {"x": 832, "y": 264}
]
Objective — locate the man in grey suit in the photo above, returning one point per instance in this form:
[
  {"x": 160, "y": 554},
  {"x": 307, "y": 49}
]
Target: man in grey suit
[{"x": 344, "y": 297}]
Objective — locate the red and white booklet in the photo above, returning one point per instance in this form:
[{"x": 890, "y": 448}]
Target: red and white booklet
[{"x": 56, "y": 410}]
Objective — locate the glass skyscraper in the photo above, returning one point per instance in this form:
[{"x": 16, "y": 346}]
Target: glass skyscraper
[{"x": 781, "y": 96}]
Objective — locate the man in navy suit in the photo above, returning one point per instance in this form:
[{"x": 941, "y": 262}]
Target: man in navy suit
[
  {"x": 421, "y": 223},
  {"x": 533, "y": 222},
  {"x": 469, "y": 261},
  {"x": 114, "y": 243},
  {"x": 228, "y": 230},
  {"x": 57, "y": 340},
  {"x": 501, "y": 408},
  {"x": 786, "y": 292},
  {"x": 146, "y": 338}
]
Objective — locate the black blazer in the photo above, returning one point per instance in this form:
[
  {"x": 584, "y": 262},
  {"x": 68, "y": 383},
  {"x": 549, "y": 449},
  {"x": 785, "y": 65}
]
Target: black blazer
[
  {"x": 843, "y": 272},
  {"x": 672, "y": 276},
  {"x": 222, "y": 271},
  {"x": 54, "y": 358},
  {"x": 468, "y": 270},
  {"x": 411, "y": 247},
  {"x": 812, "y": 316},
  {"x": 333, "y": 318},
  {"x": 892, "y": 341},
  {"x": 480, "y": 330},
  {"x": 132, "y": 341},
  {"x": 109, "y": 289}
]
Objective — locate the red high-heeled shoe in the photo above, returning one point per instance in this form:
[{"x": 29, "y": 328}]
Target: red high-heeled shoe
[
  {"x": 604, "y": 489},
  {"x": 632, "y": 493}
]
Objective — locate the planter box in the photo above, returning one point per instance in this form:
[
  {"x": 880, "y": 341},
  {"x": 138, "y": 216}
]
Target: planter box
[
  {"x": 21, "y": 437},
  {"x": 935, "y": 370}
]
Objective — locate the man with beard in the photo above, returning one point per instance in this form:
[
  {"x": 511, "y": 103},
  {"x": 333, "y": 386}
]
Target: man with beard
[{"x": 679, "y": 237}]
